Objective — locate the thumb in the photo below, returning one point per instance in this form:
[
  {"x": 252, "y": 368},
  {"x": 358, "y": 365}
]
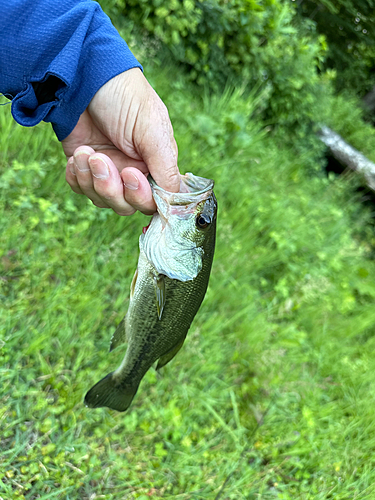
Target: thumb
[{"x": 157, "y": 146}]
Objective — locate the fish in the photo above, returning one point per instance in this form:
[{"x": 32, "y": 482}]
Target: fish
[{"x": 175, "y": 257}]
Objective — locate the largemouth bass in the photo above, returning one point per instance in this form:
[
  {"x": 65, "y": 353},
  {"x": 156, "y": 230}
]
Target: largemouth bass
[{"x": 176, "y": 253}]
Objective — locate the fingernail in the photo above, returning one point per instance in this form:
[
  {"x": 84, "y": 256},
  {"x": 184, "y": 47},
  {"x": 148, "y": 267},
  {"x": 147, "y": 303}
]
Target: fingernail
[
  {"x": 80, "y": 162},
  {"x": 71, "y": 165},
  {"x": 99, "y": 168},
  {"x": 132, "y": 183}
]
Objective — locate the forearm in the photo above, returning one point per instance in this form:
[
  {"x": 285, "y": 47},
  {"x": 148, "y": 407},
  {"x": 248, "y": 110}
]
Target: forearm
[{"x": 55, "y": 56}]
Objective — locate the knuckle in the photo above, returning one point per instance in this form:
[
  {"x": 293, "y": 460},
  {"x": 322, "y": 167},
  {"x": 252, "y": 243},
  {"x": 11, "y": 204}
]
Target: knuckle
[
  {"x": 171, "y": 175},
  {"x": 108, "y": 194},
  {"x": 124, "y": 211},
  {"x": 75, "y": 188},
  {"x": 99, "y": 205},
  {"x": 106, "y": 190}
]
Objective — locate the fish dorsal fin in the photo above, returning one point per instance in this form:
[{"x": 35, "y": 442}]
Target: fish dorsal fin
[
  {"x": 159, "y": 284},
  {"x": 119, "y": 336},
  {"x": 166, "y": 358}
]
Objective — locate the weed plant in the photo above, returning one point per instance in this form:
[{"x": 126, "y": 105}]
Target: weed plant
[{"x": 272, "y": 393}]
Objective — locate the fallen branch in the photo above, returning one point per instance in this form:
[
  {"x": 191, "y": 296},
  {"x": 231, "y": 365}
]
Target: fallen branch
[{"x": 348, "y": 156}]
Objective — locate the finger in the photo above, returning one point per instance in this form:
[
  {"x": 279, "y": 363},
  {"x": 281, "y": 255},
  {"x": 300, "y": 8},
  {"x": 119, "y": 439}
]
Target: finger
[
  {"x": 84, "y": 176},
  {"x": 157, "y": 145},
  {"x": 121, "y": 160},
  {"x": 138, "y": 191},
  {"x": 71, "y": 177},
  {"x": 108, "y": 184}
]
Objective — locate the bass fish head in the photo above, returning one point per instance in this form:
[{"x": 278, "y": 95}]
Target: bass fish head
[{"x": 182, "y": 231}]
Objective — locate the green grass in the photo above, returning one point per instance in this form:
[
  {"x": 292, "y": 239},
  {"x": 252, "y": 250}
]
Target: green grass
[{"x": 273, "y": 391}]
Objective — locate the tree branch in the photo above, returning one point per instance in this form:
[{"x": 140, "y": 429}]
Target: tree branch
[{"x": 348, "y": 156}]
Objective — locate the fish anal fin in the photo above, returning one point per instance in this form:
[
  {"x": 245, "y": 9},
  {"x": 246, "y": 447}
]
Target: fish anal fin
[
  {"x": 166, "y": 358},
  {"x": 107, "y": 393},
  {"x": 119, "y": 336},
  {"x": 159, "y": 284}
]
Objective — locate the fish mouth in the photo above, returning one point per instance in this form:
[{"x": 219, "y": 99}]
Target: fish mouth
[
  {"x": 192, "y": 189},
  {"x": 168, "y": 244}
]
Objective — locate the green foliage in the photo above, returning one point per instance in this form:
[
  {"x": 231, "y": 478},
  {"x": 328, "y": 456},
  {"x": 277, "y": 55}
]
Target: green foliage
[
  {"x": 274, "y": 383},
  {"x": 349, "y": 28},
  {"x": 31, "y": 146},
  {"x": 345, "y": 115},
  {"x": 256, "y": 42}
]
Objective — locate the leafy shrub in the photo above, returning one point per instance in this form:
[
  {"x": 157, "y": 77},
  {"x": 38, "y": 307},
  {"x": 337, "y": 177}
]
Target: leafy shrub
[
  {"x": 248, "y": 40},
  {"x": 349, "y": 29},
  {"x": 346, "y": 116}
]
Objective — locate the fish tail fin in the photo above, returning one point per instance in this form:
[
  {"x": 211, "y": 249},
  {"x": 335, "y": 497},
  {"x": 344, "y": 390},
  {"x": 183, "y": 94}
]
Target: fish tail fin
[{"x": 110, "y": 394}]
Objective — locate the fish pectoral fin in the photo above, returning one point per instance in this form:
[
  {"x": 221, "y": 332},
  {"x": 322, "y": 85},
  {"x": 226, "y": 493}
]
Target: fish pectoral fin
[
  {"x": 159, "y": 284},
  {"x": 166, "y": 358},
  {"x": 119, "y": 337},
  {"x": 107, "y": 393}
]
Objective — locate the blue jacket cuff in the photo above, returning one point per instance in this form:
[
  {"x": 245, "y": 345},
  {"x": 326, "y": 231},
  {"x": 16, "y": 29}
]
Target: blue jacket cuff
[{"x": 89, "y": 52}]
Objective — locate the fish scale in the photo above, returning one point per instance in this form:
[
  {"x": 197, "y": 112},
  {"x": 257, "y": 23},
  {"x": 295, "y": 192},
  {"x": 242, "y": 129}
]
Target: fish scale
[{"x": 161, "y": 307}]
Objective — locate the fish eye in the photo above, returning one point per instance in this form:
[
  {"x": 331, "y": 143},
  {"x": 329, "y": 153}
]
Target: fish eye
[{"x": 202, "y": 221}]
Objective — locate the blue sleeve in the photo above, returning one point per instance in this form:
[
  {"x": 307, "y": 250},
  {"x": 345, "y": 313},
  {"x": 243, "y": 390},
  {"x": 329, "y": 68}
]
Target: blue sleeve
[{"x": 54, "y": 57}]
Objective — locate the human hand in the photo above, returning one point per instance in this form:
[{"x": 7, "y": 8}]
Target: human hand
[{"x": 124, "y": 134}]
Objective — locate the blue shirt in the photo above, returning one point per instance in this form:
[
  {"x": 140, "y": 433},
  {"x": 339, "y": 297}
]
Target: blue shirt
[{"x": 54, "y": 56}]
